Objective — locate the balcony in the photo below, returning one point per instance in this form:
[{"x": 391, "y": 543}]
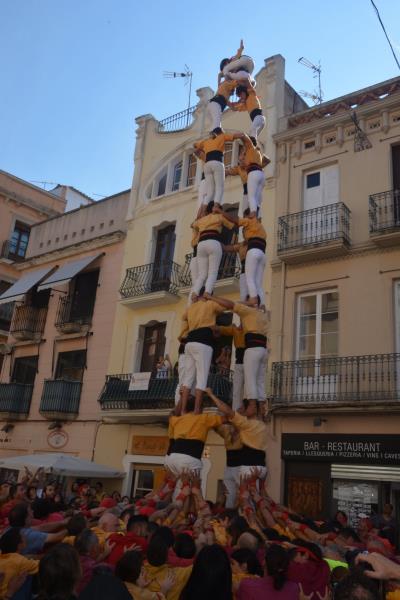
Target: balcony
[
  {"x": 329, "y": 382},
  {"x": 155, "y": 403},
  {"x": 321, "y": 232},
  {"x": 7, "y": 255},
  {"x": 28, "y": 322},
  {"x": 15, "y": 400},
  {"x": 384, "y": 218},
  {"x": 60, "y": 399},
  {"x": 228, "y": 274},
  {"x": 73, "y": 316},
  {"x": 152, "y": 284},
  {"x": 178, "y": 122}
]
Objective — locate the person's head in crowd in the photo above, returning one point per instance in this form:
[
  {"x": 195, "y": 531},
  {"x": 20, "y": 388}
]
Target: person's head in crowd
[
  {"x": 152, "y": 528},
  {"x": 388, "y": 510},
  {"x": 276, "y": 565},
  {"x": 305, "y": 551},
  {"x": 227, "y": 515},
  {"x": 250, "y": 539},
  {"x": 108, "y": 522},
  {"x": 349, "y": 536},
  {"x": 138, "y": 524},
  {"x": 116, "y": 496},
  {"x": 341, "y": 518},
  {"x": 99, "y": 487},
  {"x": 249, "y": 409},
  {"x": 59, "y": 573},
  {"x": 42, "y": 508},
  {"x": 76, "y": 524},
  {"x": 5, "y": 489},
  {"x": 166, "y": 534},
  {"x": 20, "y": 515},
  {"x": 338, "y": 574},
  {"x": 125, "y": 500},
  {"x": 184, "y": 546},
  {"x": 157, "y": 551},
  {"x": 75, "y": 488},
  {"x": 31, "y": 493},
  {"x": 19, "y": 492},
  {"x": 105, "y": 586},
  {"x": 87, "y": 544},
  {"x": 356, "y": 587},
  {"x": 246, "y": 561},
  {"x": 237, "y": 526},
  {"x": 49, "y": 491},
  {"x": 11, "y": 541},
  {"x": 129, "y": 566},
  {"x": 211, "y": 576},
  {"x": 126, "y": 514}
]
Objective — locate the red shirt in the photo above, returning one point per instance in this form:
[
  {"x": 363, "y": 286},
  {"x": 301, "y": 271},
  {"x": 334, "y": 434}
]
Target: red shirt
[{"x": 121, "y": 542}]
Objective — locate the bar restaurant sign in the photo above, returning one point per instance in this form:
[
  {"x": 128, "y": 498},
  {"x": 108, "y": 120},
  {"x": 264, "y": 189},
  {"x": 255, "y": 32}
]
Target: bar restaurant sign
[{"x": 364, "y": 449}]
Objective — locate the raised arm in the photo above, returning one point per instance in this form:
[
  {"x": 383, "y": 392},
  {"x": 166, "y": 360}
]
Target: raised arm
[
  {"x": 222, "y": 407},
  {"x": 227, "y": 304}
]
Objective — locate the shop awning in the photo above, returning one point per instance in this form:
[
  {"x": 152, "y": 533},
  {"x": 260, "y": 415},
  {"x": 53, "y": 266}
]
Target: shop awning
[
  {"x": 24, "y": 285},
  {"x": 365, "y": 472},
  {"x": 59, "y": 463},
  {"x": 65, "y": 273}
]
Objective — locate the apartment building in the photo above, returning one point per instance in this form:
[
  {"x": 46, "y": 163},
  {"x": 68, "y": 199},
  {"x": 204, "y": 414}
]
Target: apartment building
[
  {"x": 335, "y": 303},
  {"x": 155, "y": 279},
  {"x": 58, "y": 346}
]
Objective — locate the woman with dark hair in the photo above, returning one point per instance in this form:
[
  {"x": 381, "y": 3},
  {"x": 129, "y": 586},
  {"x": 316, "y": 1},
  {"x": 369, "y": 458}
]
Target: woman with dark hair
[
  {"x": 274, "y": 584},
  {"x": 211, "y": 576},
  {"x": 59, "y": 573}
]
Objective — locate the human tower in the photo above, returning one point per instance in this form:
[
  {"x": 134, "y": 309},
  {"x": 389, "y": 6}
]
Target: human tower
[{"x": 241, "y": 426}]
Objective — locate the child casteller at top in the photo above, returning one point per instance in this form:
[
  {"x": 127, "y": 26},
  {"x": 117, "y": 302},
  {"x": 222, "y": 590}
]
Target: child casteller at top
[{"x": 234, "y": 69}]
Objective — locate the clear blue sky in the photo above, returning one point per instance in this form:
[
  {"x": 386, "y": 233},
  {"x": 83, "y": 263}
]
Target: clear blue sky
[{"x": 75, "y": 73}]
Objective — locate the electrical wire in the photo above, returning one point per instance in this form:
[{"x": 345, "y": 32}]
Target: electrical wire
[{"x": 384, "y": 31}]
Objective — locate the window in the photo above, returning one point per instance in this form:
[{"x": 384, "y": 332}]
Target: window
[
  {"x": 228, "y": 154},
  {"x": 317, "y": 327},
  {"x": 25, "y": 369},
  {"x": 192, "y": 166},
  {"x": 313, "y": 180},
  {"x": 7, "y": 309},
  {"x": 162, "y": 184},
  {"x": 71, "y": 365},
  {"x": 142, "y": 483},
  {"x": 177, "y": 176},
  {"x": 19, "y": 241},
  {"x": 153, "y": 347}
]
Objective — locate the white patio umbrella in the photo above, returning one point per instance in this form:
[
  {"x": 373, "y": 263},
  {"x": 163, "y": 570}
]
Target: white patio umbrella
[{"x": 60, "y": 464}]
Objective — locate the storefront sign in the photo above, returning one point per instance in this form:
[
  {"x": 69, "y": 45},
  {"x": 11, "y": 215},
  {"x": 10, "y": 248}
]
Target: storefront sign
[
  {"x": 363, "y": 449},
  {"x": 152, "y": 445},
  {"x": 139, "y": 381}
]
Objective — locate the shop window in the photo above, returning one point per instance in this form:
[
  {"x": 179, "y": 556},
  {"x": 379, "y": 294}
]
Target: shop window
[
  {"x": 25, "y": 369},
  {"x": 71, "y": 365}
]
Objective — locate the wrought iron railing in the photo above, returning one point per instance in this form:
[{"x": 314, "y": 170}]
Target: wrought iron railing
[
  {"x": 15, "y": 398},
  {"x": 28, "y": 321},
  {"x": 180, "y": 120},
  {"x": 7, "y": 252},
  {"x": 316, "y": 226},
  {"x": 61, "y": 396},
  {"x": 6, "y": 313},
  {"x": 70, "y": 311},
  {"x": 384, "y": 211},
  {"x": 164, "y": 276},
  {"x": 228, "y": 267},
  {"x": 368, "y": 378},
  {"x": 160, "y": 394}
]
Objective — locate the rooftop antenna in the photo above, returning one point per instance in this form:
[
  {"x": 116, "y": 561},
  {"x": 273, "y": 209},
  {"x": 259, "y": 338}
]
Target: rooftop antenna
[
  {"x": 188, "y": 76},
  {"x": 317, "y": 97}
]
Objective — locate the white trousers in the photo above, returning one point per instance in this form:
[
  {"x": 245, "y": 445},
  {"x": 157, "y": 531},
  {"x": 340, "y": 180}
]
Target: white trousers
[
  {"x": 248, "y": 471},
  {"x": 237, "y": 386},
  {"x": 201, "y": 193},
  {"x": 243, "y": 289},
  {"x": 255, "y": 184},
  {"x": 209, "y": 254},
  {"x": 257, "y": 125},
  {"x": 214, "y": 112},
  {"x": 243, "y": 66},
  {"x": 230, "y": 482},
  {"x": 214, "y": 172},
  {"x": 255, "y": 367},
  {"x": 254, "y": 271},
  {"x": 197, "y": 365},
  {"x": 177, "y": 463}
]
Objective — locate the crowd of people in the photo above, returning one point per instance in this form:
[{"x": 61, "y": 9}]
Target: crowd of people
[{"x": 174, "y": 545}]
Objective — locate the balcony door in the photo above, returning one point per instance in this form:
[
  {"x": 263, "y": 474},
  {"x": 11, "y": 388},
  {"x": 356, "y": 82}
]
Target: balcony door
[
  {"x": 84, "y": 296},
  {"x": 71, "y": 365},
  {"x": 25, "y": 369},
  {"x": 163, "y": 257},
  {"x": 320, "y": 189},
  {"x": 153, "y": 347},
  {"x": 317, "y": 344},
  {"x": 396, "y": 183}
]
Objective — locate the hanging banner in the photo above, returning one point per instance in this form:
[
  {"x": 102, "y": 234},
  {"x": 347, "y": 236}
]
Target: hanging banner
[{"x": 139, "y": 381}]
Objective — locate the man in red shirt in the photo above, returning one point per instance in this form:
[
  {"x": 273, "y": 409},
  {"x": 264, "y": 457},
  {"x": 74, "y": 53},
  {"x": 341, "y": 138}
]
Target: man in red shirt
[{"x": 136, "y": 535}]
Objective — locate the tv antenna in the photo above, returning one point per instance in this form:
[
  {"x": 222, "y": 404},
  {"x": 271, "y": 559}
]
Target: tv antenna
[
  {"x": 187, "y": 74},
  {"x": 317, "y": 96}
]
